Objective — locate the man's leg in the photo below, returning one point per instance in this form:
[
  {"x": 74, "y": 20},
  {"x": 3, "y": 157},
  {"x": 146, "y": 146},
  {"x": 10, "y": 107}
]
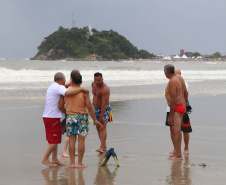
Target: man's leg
[
  {"x": 64, "y": 151},
  {"x": 55, "y": 159},
  {"x": 72, "y": 140},
  {"x": 171, "y": 136},
  {"x": 99, "y": 135},
  {"x": 186, "y": 142},
  {"x": 49, "y": 150},
  {"x": 102, "y": 132},
  {"x": 81, "y": 151},
  {"x": 177, "y": 136}
]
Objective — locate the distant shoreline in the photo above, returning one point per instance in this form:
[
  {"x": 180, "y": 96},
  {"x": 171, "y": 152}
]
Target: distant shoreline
[
  {"x": 132, "y": 60},
  {"x": 119, "y": 60}
]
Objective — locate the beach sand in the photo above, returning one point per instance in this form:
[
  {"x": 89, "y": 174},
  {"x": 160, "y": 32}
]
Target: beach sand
[{"x": 140, "y": 139}]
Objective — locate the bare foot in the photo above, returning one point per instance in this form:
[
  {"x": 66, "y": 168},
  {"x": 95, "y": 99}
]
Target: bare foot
[
  {"x": 174, "y": 157},
  {"x": 105, "y": 149},
  {"x": 72, "y": 166},
  {"x": 64, "y": 154},
  {"x": 172, "y": 152},
  {"x": 47, "y": 162},
  {"x": 56, "y": 161},
  {"x": 100, "y": 150},
  {"x": 171, "y": 155},
  {"x": 186, "y": 152},
  {"x": 82, "y": 166}
]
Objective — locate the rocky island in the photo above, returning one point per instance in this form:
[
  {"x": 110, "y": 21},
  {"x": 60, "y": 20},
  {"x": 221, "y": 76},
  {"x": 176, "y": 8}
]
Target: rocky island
[{"x": 87, "y": 44}]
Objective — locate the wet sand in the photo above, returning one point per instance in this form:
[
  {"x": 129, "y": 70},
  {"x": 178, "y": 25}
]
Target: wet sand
[{"x": 138, "y": 135}]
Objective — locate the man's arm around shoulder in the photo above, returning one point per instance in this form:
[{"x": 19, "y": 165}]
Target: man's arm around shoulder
[{"x": 71, "y": 92}]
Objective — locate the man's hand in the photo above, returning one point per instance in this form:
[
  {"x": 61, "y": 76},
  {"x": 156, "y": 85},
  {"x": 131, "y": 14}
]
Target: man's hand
[
  {"x": 85, "y": 90},
  {"x": 170, "y": 121},
  {"x": 97, "y": 124},
  {"x": 69, "y": 83},
  {"x": 102, "y": 119}
]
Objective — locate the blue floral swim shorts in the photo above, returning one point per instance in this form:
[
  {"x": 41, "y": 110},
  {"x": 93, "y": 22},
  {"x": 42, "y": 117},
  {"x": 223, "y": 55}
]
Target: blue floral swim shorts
[
  {"x": 77, "y": 124},
  {"x": 106, "y": 115}
]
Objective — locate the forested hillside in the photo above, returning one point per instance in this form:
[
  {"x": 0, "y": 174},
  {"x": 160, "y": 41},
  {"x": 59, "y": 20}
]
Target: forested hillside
[{"x": 77, "y": 43}]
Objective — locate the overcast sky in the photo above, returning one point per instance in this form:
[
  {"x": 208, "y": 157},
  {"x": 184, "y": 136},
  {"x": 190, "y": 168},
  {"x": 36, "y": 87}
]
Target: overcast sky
[{"x": 158, "y": 26}]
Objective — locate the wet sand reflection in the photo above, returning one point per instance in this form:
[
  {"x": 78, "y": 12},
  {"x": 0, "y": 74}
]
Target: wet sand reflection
[
  {"x": 104, "y": 175},
  {"x": 52, "y": 177},
  {"x": 180, "y": 172}
]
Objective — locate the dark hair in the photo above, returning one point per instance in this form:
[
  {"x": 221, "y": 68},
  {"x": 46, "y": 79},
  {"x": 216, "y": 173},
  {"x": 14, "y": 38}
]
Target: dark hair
[
  {"x": 169, "y": 68},
  {"x": 76, "y": 77},
  {"x": 58, "y": 76},
  {"x": 98, "y": 74}
]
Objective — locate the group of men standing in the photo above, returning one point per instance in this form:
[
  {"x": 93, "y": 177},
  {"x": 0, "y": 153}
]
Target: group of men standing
[{"x": 78, "y": 106}]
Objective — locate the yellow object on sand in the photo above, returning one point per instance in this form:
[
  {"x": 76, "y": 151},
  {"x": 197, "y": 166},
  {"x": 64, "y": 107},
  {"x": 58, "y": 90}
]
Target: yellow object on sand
[
  {"x": 116, "y": 160},
  {"x": 110, "y": 119},
  {"x": 108, "y": 154}
]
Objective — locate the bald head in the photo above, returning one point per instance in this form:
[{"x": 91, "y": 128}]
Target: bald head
[{"x": 178, "y": 71}]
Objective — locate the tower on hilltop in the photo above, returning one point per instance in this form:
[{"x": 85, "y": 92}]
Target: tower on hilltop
[
  {"x": 73, "y": 21},
  {"x": 90, "y": 30}
]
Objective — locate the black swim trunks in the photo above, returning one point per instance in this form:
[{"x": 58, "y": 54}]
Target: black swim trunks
[{"x": 185, "y": 126}]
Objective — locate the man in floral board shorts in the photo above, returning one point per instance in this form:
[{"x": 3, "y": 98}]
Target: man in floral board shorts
[{"x": 77, "y": 109}]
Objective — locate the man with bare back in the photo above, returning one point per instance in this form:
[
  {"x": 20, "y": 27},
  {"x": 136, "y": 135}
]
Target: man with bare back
[
  {"x": 186, "y": 125},
  {"x": 176, "y": 95},
  {"x": 77, "y": 108},
  {"x": 101, "y": 95}
]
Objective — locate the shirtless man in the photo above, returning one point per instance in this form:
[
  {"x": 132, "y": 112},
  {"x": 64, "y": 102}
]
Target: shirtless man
[
  {"x": 176, "y": 96},
  {"x": 101, "y": 95},
  {"x": 186, "y": 126},
  {"x": 77, "y": 108}
]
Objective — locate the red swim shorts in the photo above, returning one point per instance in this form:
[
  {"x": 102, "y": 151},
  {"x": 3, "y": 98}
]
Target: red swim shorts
[
  {"x": 180, "y": 108},
  {"x": 53, "y": 130}
]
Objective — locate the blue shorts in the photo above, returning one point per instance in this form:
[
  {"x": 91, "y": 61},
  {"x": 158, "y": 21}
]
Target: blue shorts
[
  {"x": 77, "y": 124},
  {"x": 106, "y": 115}
]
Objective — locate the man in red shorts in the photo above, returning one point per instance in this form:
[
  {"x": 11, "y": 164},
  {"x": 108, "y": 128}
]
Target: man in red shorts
[
  {"x": 176, "y": 95},
  {"x": 52, "y": 115}
]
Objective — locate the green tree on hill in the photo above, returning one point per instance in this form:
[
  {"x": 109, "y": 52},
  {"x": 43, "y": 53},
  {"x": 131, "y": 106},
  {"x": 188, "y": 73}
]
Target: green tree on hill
[
  {"x": 145, "y": 54},
  {"x": 77, "y": 43}
]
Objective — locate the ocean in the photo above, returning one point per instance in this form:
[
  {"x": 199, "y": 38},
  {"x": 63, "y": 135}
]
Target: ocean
[
  {"x": 138, "y": 133},
  {"x": 29, "y": 79}
]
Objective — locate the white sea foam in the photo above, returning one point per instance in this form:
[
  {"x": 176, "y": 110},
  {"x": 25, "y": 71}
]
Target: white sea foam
[
  {"x": 22, "y": 79},
  {"x": 127, "y": 76}
]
